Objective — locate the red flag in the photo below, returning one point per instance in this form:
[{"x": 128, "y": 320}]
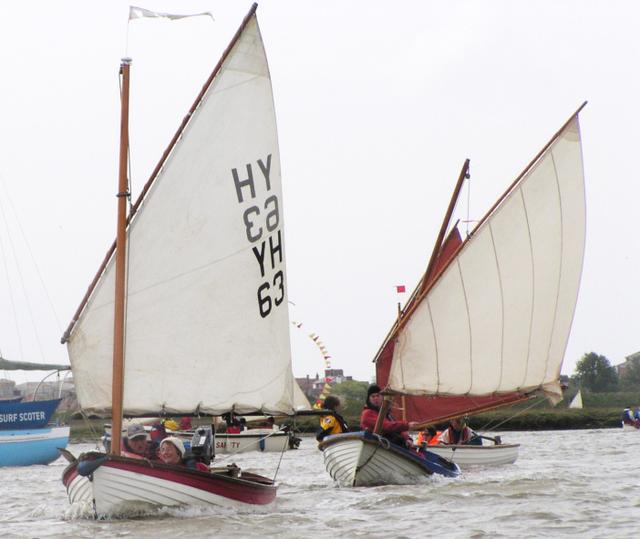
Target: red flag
[{"x": 400, "y": 289}]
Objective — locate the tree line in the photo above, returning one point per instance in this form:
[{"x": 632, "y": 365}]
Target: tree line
[{"x": 595, "y": 373}]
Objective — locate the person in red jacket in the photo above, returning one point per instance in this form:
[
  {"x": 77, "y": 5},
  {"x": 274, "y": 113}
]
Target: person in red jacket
[{"x": 396, "y": 432}]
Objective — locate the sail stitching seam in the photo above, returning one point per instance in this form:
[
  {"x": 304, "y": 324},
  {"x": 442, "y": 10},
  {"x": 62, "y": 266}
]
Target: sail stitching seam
[
  {"x": 555, "y": 311},
  {"x": 499, "y": 274},
  {"x": 533, "y": 285},
  {"x": 466, "y": 303}
]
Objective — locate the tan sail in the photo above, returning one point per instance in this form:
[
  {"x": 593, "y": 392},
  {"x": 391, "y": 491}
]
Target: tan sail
[
  {"x": 497, "y": 318},
  {"x": 207, "y": 326}
]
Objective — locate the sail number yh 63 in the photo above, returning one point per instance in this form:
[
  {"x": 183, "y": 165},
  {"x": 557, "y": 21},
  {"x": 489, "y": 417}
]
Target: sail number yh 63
[{"x": 261, "y": 221}]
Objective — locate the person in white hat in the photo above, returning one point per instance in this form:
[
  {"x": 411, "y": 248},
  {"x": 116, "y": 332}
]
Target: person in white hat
[{"x": 171, "y": 450}]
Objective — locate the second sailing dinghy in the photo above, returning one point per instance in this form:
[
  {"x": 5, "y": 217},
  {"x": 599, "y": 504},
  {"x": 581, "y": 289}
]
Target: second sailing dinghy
[
  {"x": 206, "y": 330},
  {"x": 488, "y": 324}
]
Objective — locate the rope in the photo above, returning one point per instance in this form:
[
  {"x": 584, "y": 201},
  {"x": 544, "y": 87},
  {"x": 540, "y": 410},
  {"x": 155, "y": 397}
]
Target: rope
[{"x": 488, "y": 426}]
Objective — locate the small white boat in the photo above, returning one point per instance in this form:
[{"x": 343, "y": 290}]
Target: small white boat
[
  {"x": 362, "y": 459},
  {"x": 263, "y": 440},
  {"x": 477, "y": 455}
]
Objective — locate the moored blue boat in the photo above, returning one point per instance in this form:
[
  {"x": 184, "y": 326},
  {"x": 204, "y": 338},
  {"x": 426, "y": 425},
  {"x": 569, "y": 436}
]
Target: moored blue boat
[{"x": 25, "y": 447}]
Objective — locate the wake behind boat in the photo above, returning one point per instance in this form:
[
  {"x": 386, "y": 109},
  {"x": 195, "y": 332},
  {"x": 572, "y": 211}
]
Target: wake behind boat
[{"x": 199, "y": 264}]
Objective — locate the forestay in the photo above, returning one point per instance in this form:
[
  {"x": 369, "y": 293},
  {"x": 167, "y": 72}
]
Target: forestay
[
  {"x": 498, "y": 317},
  {"x": 207, "y": 326}
]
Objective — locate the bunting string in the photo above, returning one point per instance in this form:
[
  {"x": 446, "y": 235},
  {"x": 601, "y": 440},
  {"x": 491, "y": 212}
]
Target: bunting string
[{"x": 326, "y": 389}]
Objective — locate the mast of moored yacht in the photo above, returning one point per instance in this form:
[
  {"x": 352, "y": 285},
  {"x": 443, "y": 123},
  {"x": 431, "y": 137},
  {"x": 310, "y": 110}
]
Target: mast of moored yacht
[{"x": 117, "y": 387}]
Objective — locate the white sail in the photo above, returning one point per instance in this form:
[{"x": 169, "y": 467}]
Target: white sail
[
  {"x": 576, "y": 402},
  {"x": 207, "y": 324},
  {"x": 498, "y": 318}
]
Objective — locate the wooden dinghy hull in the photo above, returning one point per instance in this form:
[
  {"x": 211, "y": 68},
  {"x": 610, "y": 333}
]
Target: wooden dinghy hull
[
  {"x": 120, "y": 486},
  {"x": 362, "y": 459},
  {"x": 478, "y": 455}
]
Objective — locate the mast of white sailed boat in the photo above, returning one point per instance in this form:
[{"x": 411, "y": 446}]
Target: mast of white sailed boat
[
  {"x": 117, "y": 390},
  {"x": 386, "y": 404}
]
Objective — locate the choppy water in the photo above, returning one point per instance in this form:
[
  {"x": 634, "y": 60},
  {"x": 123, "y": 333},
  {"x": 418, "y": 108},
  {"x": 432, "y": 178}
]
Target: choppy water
[{"x": 564, "y": 484}]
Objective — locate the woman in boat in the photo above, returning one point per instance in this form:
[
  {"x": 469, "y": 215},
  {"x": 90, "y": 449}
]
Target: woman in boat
[
  {"x": 458, "y": 433},
  {"x": 396, "y": 432},
  {"x": 172, "y": 451},
  {"x": 332, "y": 423}
]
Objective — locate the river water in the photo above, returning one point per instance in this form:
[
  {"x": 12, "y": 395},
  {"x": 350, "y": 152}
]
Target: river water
[{"x": 564, "y": 484}]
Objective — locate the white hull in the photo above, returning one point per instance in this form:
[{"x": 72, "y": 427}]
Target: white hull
[
  {"x": 626, "y": 426},
  {"x": 477, "y": 455},
  {"x": 79, "y": 490},
  {"x": 354, "y": 461},
  {"x": 122, "y": 487},
  {"x": 263, "y": 440},
  {"x": 120, "y": 492}
]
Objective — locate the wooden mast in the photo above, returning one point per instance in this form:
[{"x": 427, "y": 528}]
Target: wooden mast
[{"x": 117, "y": 391}]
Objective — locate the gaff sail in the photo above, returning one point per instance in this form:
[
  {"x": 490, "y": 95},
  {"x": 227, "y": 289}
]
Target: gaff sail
[
  {"x": 494, "y": 322},
  {"x": 207, "y": 324}
]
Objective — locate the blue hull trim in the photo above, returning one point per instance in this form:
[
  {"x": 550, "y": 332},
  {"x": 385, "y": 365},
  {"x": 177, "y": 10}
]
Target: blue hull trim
[{"x": 33, "y": 446}]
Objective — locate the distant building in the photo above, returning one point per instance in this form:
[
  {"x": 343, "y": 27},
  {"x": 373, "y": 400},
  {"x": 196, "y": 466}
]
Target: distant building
[
  {"x": 8, "y": 389},
  {"x": 621, "y": 369}
]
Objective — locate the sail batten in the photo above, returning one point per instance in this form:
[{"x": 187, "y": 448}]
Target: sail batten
[
  {"x": 502, "y": 310},
  {"x": 207, "y": 326}
]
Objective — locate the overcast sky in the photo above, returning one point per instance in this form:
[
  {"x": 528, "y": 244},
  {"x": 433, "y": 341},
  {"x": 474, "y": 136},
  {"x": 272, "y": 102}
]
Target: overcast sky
[{"x": 378, "y": 104}]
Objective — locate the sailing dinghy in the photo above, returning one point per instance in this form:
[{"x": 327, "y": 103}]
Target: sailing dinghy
[
  {"x": 488, "y": 324},
  {"x": 207, "y": 323}
]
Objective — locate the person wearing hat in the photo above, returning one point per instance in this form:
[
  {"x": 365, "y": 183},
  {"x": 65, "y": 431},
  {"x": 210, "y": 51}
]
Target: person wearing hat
[
  {"x": 458, "y": 433},
  {"x": 395, "y": 431},
  {"x": 172, "y": 451},
  {"x": 136, "y": 444}
]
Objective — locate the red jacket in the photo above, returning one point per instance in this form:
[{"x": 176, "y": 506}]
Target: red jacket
[{"x": 368, "y": 422}]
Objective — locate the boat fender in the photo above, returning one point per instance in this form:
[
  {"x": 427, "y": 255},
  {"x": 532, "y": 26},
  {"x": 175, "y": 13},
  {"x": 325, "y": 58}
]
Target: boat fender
[{"x": 87, "y": 467}]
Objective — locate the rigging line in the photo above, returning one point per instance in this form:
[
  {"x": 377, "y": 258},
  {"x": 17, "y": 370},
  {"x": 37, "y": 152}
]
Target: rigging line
[
  {"x": 33, "y": 258},
  {"x": 284, "y": 448},
  {"x": 488, "y": 425},
  {"x": 468, "y": 176},
  {"x": 5, "y": 260}
]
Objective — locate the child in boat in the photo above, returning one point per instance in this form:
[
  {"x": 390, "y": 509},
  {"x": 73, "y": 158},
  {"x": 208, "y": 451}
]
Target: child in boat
[
  {"x": 172, "y": 451},
  {"x": 332, "y": 423},
  {"x": 395, "y": 431},
  {"x": 428, "y": 437}
]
